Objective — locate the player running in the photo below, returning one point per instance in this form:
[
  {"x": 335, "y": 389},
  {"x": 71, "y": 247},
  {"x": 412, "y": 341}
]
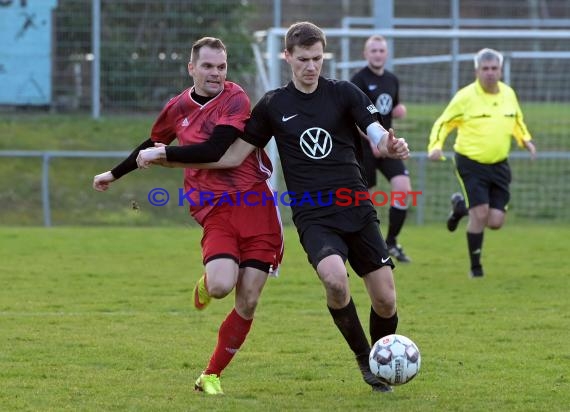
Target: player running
[
  {"x": 241, "y": 243},
  {"x": 314, "y": 121}
]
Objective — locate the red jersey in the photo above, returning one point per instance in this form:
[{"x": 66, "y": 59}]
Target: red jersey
[{"x": 190, "y": 122}]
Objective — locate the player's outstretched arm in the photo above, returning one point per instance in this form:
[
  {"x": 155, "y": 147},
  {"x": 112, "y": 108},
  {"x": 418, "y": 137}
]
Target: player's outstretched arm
[
  {"x": 207, "y": 155},
  {"x": 235, "y": 155},
  {"x": 102, "y": 181}
]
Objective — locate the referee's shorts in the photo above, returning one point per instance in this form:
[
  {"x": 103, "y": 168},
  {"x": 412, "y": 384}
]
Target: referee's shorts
[{"x": 484, "y": 183}]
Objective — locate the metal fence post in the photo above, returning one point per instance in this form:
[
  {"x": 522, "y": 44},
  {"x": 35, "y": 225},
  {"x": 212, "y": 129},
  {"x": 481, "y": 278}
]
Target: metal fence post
[
  {"x": 45, "y": 189},
  {"x": 96, "y": 63}
]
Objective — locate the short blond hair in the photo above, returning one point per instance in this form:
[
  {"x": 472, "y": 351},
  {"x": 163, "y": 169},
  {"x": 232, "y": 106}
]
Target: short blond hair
[{"x": 374, "y": 37}]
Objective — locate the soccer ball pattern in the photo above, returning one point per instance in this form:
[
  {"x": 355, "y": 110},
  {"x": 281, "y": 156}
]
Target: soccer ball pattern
[{"x": 395, "y": 359}]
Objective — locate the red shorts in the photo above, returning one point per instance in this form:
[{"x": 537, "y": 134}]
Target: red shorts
[{"x": 244, "y": 230}]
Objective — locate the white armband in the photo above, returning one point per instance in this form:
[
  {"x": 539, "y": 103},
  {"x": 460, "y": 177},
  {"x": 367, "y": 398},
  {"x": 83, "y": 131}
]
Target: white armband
[{"x": 376, "y": 132}]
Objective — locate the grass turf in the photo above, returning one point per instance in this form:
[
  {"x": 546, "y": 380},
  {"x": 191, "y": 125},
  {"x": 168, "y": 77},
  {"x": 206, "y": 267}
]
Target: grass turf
[{"x": 101, "y": 319}]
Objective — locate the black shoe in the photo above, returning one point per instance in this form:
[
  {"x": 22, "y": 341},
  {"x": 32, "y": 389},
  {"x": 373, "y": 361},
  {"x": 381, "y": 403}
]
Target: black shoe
[
  {"x": 397, "y": 252},
  {"x": 476, "y": 272},
  {"x": 458, "y": 210},
  {"x": 453, "y": 222},
  {"x": 382, "y": 387},
  {"x": 369, "y": 377}
]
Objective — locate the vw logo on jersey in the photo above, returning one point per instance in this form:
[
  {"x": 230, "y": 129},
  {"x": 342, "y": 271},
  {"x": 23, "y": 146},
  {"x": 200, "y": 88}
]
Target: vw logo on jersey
[
  {"x": 316, "y": 143},
  {"x": 384, "y": 103}
]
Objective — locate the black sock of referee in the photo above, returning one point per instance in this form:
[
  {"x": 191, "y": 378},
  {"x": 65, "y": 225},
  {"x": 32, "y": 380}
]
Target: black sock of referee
[
  {"x": 346, "y": 320},
  {"x": 475, "y": 244},
  {"x": 380, "y": 327}
]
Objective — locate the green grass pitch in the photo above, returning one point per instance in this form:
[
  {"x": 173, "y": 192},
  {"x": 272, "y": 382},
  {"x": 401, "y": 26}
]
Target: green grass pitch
[{"x": 100, "y": 319}]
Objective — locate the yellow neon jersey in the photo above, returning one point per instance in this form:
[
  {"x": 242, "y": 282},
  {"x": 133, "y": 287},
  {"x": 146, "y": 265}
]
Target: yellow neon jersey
[{"x": 485, "y": 123}]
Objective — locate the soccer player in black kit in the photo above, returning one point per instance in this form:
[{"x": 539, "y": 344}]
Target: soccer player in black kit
[
  {"x": 314, "y": 123},
  {"x": 383, "y": 88}
]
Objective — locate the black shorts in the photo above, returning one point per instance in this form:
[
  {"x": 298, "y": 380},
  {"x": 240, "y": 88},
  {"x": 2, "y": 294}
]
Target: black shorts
[
  {"x": 353, "y": 234},
  {"x": 388, "y": 167},
  {"x": 483, "y": 183}
]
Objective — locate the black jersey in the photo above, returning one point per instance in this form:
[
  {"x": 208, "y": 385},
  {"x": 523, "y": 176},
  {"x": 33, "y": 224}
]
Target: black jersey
[
  {"x": 318, "y": 143},
  {"x": 382, "y": 90}
]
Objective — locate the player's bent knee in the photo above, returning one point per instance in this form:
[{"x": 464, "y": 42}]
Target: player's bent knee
[
  {"x": 336, "y": 290},
  {"x": 385, "y": 309},
  {"x": 386, "y": 302},
  {"x": 335, "y": 286},
  {"x": 495, "y": 222},
  {"x": 219, "y": 290}
]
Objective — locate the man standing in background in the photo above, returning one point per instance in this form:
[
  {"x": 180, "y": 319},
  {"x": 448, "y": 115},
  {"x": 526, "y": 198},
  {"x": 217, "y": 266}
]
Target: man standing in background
[{"x": 383, "y": 89}]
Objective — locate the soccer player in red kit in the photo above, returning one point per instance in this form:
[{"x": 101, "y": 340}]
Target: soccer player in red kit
[
  {"x": 315, "y": 123},
  {"x": 242, "y": 241}
]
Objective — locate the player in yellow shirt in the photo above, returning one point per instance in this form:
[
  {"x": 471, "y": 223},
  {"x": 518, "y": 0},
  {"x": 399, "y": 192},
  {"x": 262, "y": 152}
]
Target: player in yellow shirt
[{"x": 486, "y": 114}]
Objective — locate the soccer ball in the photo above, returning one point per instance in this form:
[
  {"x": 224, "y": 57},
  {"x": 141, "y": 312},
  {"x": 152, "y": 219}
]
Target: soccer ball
[{"x": 395, "y": 359}]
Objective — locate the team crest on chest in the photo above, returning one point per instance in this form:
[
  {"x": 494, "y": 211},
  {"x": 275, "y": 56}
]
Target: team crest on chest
[
  {"x": 316, "y": 143},
  {"x": 384, "y": 103}
]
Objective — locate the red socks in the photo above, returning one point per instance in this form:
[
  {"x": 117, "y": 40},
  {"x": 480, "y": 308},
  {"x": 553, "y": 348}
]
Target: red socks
[{"x": 231, "y": 336}]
